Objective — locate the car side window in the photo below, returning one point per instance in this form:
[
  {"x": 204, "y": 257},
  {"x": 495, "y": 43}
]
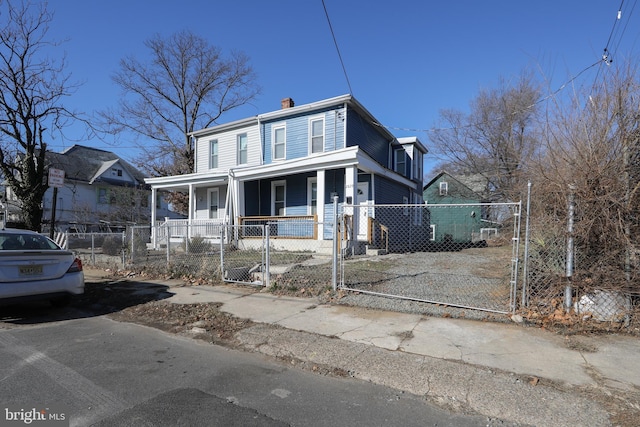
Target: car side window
[{"x": 11, "y": 243}]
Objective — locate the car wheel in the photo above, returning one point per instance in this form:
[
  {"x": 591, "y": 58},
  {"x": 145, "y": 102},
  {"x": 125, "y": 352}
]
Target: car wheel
[{"x": 61, "y": 301}]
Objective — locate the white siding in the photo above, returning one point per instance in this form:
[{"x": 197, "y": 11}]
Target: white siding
[{"x": 227, "y": 149}]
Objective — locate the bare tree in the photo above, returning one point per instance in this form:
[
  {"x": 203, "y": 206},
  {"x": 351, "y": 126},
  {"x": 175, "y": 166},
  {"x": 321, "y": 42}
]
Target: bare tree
[
  {"x": 592, "y": 155},
  {"x": 32, "y": 86},
  {"x": 496, "y": 138},
  {"x": 186, "y": 85}
]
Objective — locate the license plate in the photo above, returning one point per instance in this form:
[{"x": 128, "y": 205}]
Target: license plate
[{"x": 30, "y": 270}]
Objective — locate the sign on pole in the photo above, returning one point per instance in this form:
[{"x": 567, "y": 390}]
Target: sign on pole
[{"x": 56, "y": 178}]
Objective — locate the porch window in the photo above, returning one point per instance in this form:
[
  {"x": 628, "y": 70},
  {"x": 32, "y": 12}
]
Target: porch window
[
  {"x": 214, "y": 203},
  {"x": 279, "y": 143},
  {"x": 317, "y": 135},
  {"x": 400, "y": 165},
  {"x": 213, "y": 154},
  {"x": 242, "y": 149},
  {"x": 278, "y": 198},
  {"x": 312, "y": 196}
]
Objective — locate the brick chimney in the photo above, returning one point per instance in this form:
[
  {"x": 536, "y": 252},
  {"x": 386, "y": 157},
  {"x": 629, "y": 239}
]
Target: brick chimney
[{"x": 287, "y": 103}]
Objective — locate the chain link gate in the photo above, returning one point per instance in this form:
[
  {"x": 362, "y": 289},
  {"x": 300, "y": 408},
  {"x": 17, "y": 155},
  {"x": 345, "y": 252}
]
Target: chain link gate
[{"x": 462, "y": 255}]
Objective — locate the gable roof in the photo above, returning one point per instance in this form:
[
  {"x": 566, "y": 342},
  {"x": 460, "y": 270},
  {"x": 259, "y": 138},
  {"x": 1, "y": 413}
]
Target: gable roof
[
  {"x": 87, "y": 164},
  {"x": 476, "y": 183},
  {"x": 347, "y": 100}
]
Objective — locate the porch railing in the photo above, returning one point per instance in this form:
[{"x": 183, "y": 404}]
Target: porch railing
[
  {"x": 211, "y": 228},
  {"x": 285, "y": 227}
]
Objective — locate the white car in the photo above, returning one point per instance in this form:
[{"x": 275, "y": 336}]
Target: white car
[{"x": 33, "y": 267}]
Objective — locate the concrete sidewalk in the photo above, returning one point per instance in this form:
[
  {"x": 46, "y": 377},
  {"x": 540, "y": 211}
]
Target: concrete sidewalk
[{"x": 520, "y": 374}]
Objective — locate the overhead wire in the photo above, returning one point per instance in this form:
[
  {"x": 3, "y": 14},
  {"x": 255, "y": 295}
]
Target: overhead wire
[
  {"x": 607, "y": 58},
  {"x": 335, "y": 42}
]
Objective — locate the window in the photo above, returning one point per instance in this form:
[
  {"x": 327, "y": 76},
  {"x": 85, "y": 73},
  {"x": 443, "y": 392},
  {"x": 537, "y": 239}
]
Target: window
[
  {"x": 279, "y": 143},
  {"x": 242, "y": 149},
  {"x": 417, "y": 165},
  {"x": 214, "y": 203},
  {"x": 312, "y": 196},
  {"x": 317, "y": 135},
  {"x": 444, "y": 188},
  {"x": 400, "y": 165},
  {"x": 103, "y": 196},
  {"x": 213, "y": 154},
  {"x": 433, "y": 232},
  {"x": 278, "y": 198},
  {"x": 116, "y": 172}
]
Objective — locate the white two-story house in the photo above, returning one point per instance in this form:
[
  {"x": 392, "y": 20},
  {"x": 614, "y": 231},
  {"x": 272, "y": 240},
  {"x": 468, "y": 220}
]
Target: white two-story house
[
  {"x": 100, "y": 192},
  {"x": 292, "y": 163}
]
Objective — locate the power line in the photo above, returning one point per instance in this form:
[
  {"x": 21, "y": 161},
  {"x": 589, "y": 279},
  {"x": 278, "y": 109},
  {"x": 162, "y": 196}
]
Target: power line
[
  {"x": 552, "y": 94},
  {"x": 335, "y": 42}
]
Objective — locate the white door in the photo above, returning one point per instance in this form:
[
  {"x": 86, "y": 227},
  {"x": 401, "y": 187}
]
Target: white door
[{"x": 364, "y": 211}]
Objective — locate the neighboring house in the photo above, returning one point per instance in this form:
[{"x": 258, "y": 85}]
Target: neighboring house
[
  {"x": 101, "y": 191},
  {"x": 466, "y": 220},
  {"x": 289, "y": 164}
]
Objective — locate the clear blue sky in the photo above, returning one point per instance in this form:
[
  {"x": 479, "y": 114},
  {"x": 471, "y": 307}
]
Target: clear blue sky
[{"x": 405, "y": 59}]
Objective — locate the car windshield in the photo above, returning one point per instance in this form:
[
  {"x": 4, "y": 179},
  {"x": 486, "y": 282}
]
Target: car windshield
[{"x": 26, "y": 241}]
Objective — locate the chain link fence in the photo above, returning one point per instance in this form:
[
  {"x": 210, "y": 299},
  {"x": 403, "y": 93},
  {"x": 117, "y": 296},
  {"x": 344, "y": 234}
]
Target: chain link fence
[
  {"x": 467, "y": 257},
  {"x": 454, "y": 255},
  {"x": 557, "y": 285}
]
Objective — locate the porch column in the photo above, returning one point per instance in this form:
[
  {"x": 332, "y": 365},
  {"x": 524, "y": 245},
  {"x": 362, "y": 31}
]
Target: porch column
[
  {"x": 350, "y": 195},
  {"x": 320, "y": 202},
  {"x": 191, "y": 211},
  {"x": 154, "y": 237},
  {"x": 239, "y": 208}
]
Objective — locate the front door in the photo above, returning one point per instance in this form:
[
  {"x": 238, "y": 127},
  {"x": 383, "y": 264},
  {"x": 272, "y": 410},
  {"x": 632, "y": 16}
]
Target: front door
[{"x": 364, "y": 210}]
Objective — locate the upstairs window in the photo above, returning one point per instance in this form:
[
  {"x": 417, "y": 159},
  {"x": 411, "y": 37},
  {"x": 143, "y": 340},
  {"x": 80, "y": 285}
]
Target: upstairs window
[
  {"x": 317, "y": 135},
  {"x": 417, "y": 165},
  {"x": 400, "y": 161},
  {"x": 279, "y": 143},
  {"x": 242, "y": 149},
  {"x": 444, "y": 188},
  {"x": 213, "y": 154}
]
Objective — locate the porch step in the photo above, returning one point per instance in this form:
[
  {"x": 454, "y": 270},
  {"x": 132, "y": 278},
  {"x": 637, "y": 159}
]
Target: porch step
[{"x": 374, "y": 251}]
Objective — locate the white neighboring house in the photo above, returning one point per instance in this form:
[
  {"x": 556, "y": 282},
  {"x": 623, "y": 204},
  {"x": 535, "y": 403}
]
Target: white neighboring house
[{"x": 101, "y": 191}]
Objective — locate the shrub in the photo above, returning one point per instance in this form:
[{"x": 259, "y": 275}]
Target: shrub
[{"x": 112, "y": 245}]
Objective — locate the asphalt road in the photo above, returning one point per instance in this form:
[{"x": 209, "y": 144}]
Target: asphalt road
[{"x": 96, "y": 371}]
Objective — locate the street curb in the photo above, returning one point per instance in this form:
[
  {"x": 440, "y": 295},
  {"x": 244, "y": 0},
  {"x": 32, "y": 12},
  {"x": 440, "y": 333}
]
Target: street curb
[{"x": 455, "y": 385}]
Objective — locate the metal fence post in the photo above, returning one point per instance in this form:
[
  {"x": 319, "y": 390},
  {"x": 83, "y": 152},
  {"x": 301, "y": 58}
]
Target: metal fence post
[
  {"x": 223, "y": 231},
  {"x": 168, "y": 234},
  {"x": 267, "y": 256},
  {"x": 568, "y": 292},
  {"x": 525, "y": 260},
  {"x": 124, "y": 245},
  {"x": 93, "y": 249},
  {"x": 334, "y": 271},
  {"x": 132, "y": 256}
]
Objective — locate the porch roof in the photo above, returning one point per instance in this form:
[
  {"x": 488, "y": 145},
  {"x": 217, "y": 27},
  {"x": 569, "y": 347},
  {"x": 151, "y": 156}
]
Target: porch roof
[
  {"x": 183, "y": 182},
  {"x": 350, "y": 156}
]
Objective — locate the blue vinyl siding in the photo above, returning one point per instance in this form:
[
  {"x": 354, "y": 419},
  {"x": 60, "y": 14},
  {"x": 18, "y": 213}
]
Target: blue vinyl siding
[
  {"x": 298, "y": 133},
  {"x": 389, "y": 192},
  {"x": 363, "y": 134}
]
